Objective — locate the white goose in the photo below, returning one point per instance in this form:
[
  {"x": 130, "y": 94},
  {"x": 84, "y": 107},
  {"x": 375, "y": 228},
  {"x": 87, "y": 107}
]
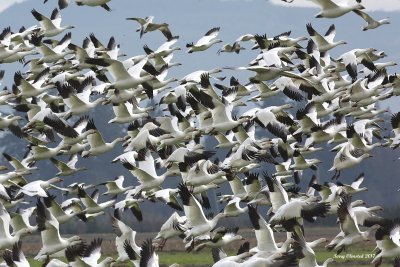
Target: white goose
[
  {"x": 48, "y": 226},
  {"x": 93, "y": 3},
  {"x": 92, "y": 207},
  {"x": 97, "y": 144},
  {"x": 50, "y": 27},
  {"x": 66, "y": 169},
  {"x": 349, "y": 226},
  {"x": 123, "y": 79},
  {"x": 197, "y": 223},
  {"x": 372, "y": 23},
  {"x": 115, "y": 187},
  {"x": 172, "y": 227},
  {"x": 329, "y": 9},
  {"x": 39, "y": 187},
  {"x": 324, "y": 43},
  {"x": 124, "y": 234},
  {"x": 205, "y": 42},
  {"x": 7, "y": 240}
]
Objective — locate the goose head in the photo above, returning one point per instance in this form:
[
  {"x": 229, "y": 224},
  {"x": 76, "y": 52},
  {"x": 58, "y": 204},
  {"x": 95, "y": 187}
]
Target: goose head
[{"x": 23, "y": 232}]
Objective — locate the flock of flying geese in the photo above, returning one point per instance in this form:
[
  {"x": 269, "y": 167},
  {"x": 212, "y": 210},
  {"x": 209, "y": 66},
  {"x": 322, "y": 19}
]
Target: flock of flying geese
[{"x": 62, "y": 82}]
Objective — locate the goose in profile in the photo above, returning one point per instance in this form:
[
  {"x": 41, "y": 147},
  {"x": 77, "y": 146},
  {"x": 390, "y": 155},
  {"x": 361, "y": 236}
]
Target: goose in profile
[
  {"x": 329, "y": 9},
  {"x": 218, "y": 238},
  {"x": 147, "y": 25},
  {"x": 48, "y": 226},
  {"x": 115, "y": 187},
  {"x": 349, "y": 226},
  {"x": 92, "y": 207},
  {"x": 197, "y": 223},
  {"x": 308, "y": 257},
  {"x": 372, "y": 23},
  {"x": 172, "y": 227},
  {"x": 8, "y": 240},
  {"x": 97, "y": 144},
  {"x": 124, "y": 234},
  {"x": 20, "y": 220},
  {"x": 205, "y": 42},
  {"x": 387, "y": 242},
  {"x": 93, "y": 3},
  {"x": 123, "y": 79},
  {"x": 39, "y": 187},
  {"x": 347, "y": 157},
  {"x": 11, "y": 122},
  {"x": 26, "y": 89},
  {"x": 324, "y": 43},
  {"x": 66, "y": 169},
  {"x": 50, "y": 27}
]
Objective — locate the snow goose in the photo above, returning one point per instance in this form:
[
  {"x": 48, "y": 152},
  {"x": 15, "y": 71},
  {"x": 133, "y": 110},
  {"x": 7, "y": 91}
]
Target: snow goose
[
  {"x": 148, "y": 255},
  {"x": 324, "y": 43},
  {"x": 204, "y": 172},
  {"x": 97, "y": 144},
  {"x": 92, "y": 207},
  {"x": 132, "y": 204},
  {"x": 11, "y": 122},
  {"x": 41, "y": 152},
  {"x": 48, "y": 226},
  {"x": 301, "y": 163},
  {"x": 27, "y": 89},
  {"x": 230, "y": 48},
  {"x": 93, "y": 254},
  {"x": 16, "y": 256},
  {"x": 92, "y": 3},
  {"x": 218, "y": 238},
  {"x": 148, "y": 181},
  {"x": 264, "y": 235},
  {"x": 387, "y": 242},
  {"x": 50, "y": 27},
  {"x": 47, "y": 117},
  {"x": 64, "y": 214},
  {"x": 232, "y": 208},
  {"x": 123, "y": 79},
  {"x": 39, "y": 187},
  {"x": 125, "y": 113},
  {"x": 372, "y": 23},
  {"x": 78, "y": 103},
  {"x": 124, "y": 234},
  {"x": 329, "y": 9},
  {"x": 7, "y": 240},
  {"x": 167, "y": 196},
  {"x": 172, "y": 227},
  {"x": 308, "y": 257},
  {"x": 20, "y": 220},
  {"x": 349, "y": 226},
  {"x": 221, "y": 259},
  {"x": 147, "y": 25},
  {"x": 51, "y": 55},
  {"x": 66, "y": 169},
  {"x": 197, "y": 223},
  {"x": 347, "y": 157},
  {"x": 299, "y": 209},
  {"x": 205, "y": 42},
  {"x": 116, "y": 187},
  {"x": 61, "y": 3}
]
